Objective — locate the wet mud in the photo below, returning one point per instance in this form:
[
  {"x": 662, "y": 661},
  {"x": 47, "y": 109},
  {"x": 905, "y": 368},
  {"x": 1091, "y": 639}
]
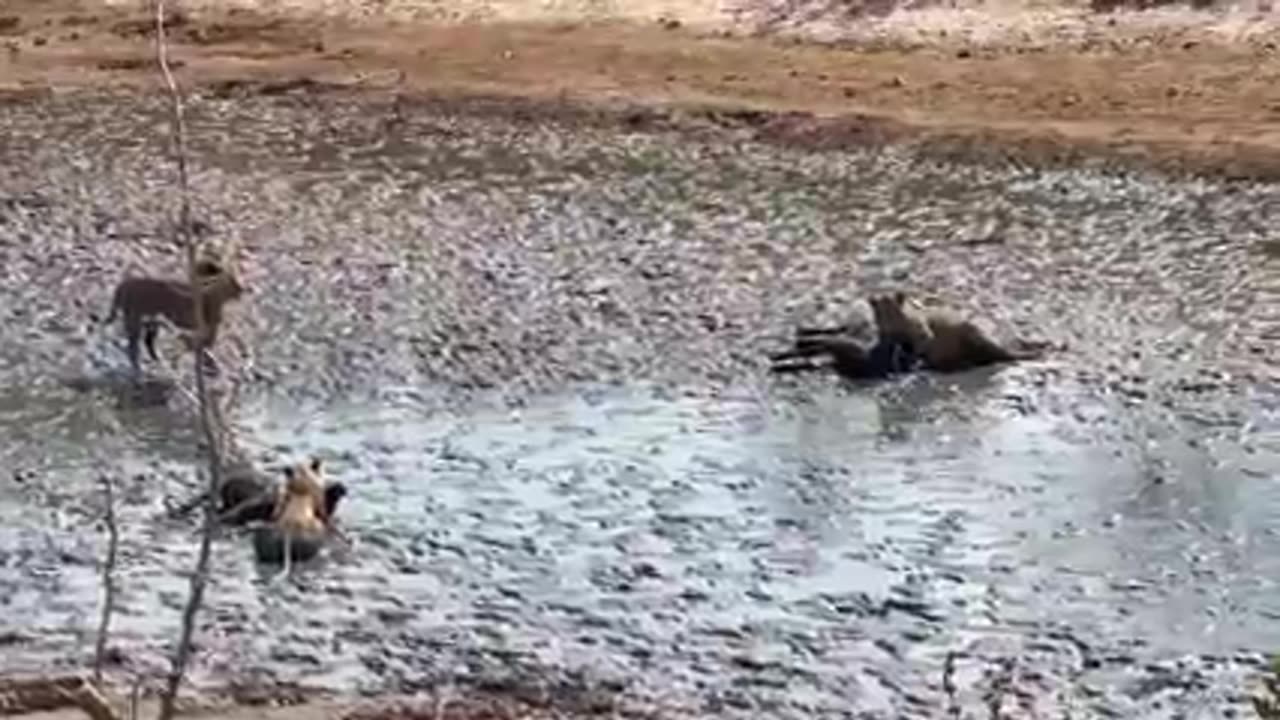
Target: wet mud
[{"x": 536, "y": 353}]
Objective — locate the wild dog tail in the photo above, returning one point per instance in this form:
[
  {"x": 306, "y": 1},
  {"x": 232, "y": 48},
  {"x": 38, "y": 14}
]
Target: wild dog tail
[
  {"x": 986, "y": 351},
  {"x": 1037, "y": 349}
]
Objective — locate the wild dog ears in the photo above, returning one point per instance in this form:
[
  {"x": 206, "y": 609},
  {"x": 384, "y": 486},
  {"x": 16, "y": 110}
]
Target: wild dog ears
[{"x": 315, "y": 464}]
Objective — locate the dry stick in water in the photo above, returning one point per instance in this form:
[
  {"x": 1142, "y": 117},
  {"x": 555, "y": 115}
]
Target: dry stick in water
[
  {"x": 209, "y": 416},
  {"x": 108, "y": 579}
]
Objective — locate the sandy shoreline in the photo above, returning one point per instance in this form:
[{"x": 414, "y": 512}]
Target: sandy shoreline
[{"x": 1142, "y": 93}]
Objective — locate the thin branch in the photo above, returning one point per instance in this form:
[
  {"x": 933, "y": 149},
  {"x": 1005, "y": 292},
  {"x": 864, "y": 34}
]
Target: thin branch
[
  {"x": 949, "y": 685},
  {"x": 108, "y": 579},
  {"x": 210, "y": 418}
]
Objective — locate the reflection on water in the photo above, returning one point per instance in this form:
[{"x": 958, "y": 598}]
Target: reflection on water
[{"x": 714, "y": 541}]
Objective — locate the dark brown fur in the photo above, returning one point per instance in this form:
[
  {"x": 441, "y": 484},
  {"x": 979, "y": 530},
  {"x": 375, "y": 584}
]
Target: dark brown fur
[
  {"x": 849, "y": 357},
  {"x": 143, "y": 300}
]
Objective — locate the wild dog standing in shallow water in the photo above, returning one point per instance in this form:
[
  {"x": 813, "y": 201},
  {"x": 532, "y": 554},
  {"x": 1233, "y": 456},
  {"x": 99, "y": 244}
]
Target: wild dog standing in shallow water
[
  {"x": 300, "y": 519},
  {"x": 945, "y": 342},
  {"x": 142, "y": 301}
]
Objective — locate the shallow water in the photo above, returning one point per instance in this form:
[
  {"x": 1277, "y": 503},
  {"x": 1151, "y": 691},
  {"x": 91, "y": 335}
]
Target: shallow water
[{"x": 535, "y": 355}]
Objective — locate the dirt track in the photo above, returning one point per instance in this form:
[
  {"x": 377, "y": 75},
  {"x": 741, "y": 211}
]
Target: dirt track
[{"x": 1184, "y": 98}]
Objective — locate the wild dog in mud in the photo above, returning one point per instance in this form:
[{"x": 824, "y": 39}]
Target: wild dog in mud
[
  {"x": 299, "y": 521},
  {"x": 248, "y": 495},
  {"x": 143, "y": 300},
  {"x": 944, "y": 341}
]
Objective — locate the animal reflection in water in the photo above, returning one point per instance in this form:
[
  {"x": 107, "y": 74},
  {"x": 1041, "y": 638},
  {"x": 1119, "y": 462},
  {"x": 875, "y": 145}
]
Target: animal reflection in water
[{"x": 907, "y": 337}]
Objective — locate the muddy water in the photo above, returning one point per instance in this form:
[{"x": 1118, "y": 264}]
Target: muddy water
[{"x": 534, "y": 352}]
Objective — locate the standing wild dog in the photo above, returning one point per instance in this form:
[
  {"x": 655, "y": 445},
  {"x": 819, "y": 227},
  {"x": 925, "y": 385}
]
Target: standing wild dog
[
  {"x": 143, "y": 300},
  {"x": 945, "y": 342}
]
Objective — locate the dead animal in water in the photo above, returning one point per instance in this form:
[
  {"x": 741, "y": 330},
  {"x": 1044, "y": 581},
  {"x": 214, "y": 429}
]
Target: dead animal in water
[
  {"x": 299, "y": 523},
  {"x": 944, "y": 341},
  {"x": 847, "y": 354},
  {"x": 143, "y": 300},
  {"x": 849, "y": 357},
  {"x": 248, "y": 496}
]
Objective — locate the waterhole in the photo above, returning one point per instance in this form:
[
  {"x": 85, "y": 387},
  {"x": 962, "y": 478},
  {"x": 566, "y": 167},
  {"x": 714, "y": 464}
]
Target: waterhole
[{"x": 535, "y": 353}]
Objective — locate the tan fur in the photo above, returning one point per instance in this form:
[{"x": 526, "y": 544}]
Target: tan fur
[
  {"x": 945, "y": 341},
  {"x": 143, "y": 300},
  {"x": 300, "y": 504}
]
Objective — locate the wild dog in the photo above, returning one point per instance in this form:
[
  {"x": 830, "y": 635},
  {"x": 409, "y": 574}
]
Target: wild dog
[
  {"x": 944, "y": 341},
  {"x": 299, "y": 520},
  {"x": 142, "y": 301},
  {"x": 247, "y": 495}
]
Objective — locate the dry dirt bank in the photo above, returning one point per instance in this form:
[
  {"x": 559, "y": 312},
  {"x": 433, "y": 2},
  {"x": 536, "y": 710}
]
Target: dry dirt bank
[
  {"x": 445, "y": 705},
  {"x": 1137, "y": 93}
]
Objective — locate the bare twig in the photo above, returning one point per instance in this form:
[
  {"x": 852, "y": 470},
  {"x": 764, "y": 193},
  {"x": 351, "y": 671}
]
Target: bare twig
[
  {"x": 397, "y": 102},
  {"x": 949, "y": 685},
  {"x": 108, "y": 578},
  {"x": 210, "y": 417}
]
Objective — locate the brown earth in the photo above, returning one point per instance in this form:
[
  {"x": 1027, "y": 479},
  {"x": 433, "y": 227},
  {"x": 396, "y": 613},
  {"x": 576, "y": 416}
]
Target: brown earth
[
  {"x": 460, "y": 707},
  {"x": 1173, "y": 100},
  {"x": 282, "y": 703}
]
